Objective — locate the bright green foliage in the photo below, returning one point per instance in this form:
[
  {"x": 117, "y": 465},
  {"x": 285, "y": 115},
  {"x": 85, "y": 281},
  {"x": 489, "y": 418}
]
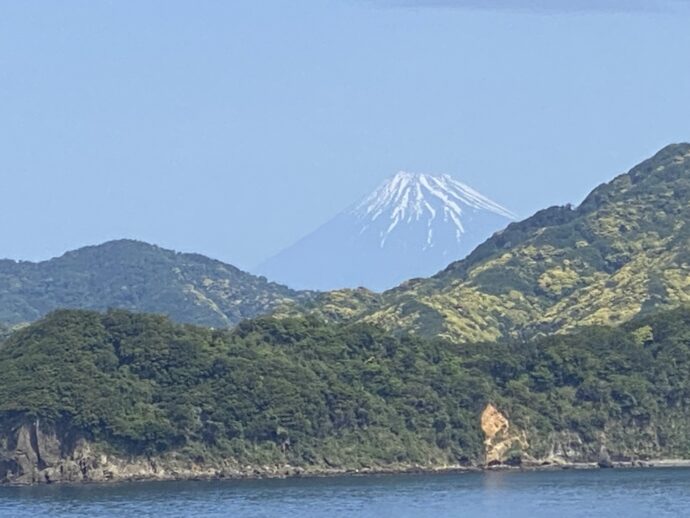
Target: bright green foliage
[
  {"x": 309, "y": 393},
  {"x": 623, "y": 251}
]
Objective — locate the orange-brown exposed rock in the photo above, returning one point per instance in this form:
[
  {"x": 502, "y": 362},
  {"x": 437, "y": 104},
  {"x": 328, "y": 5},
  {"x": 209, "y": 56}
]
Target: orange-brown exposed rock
[{"x": 500, "y": 441}]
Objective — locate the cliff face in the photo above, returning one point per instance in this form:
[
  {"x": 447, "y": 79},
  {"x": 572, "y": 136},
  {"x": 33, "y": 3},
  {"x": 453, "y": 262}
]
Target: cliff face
[
  {"x": 29, "y": 455},
  {"x": 32, "y": 454},
  {"x": 618, "y": 444},
  {"x": 502, "y": 444}
]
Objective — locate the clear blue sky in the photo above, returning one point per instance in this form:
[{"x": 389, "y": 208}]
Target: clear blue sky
[{"x": 233, "y": 128}]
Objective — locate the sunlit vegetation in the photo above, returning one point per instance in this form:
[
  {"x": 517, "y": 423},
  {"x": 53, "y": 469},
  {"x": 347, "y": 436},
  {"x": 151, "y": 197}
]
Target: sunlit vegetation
[{"x": 622, "y": 251}]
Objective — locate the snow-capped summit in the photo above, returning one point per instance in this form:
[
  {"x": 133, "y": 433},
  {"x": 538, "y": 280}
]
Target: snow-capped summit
[
  {"x": 409, "y": 197},
  {"x": 413, "y": 225}
]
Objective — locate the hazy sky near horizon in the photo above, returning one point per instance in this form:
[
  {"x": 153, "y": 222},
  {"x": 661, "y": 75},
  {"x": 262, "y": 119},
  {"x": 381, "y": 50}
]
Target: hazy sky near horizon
[{"x": 233, "y": 128}]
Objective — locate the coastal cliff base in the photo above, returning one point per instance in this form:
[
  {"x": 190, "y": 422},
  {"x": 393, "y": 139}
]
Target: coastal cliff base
[{"x": 31, "y": 454}]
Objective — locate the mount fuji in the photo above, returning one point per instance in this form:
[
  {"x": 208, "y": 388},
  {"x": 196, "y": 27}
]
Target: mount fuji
[{"x": 413, "y": 225}]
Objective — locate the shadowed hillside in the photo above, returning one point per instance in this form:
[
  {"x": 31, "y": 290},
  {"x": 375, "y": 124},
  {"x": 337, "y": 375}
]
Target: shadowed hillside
[{"x": 140, "y": 277}]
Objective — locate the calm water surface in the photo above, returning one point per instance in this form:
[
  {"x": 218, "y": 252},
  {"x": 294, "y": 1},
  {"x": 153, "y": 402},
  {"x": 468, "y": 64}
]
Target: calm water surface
[{"x": 563, "y": 494}]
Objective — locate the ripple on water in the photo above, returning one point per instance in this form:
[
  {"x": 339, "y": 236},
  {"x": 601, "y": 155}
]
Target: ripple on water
[{"x": 625, "y": 493}]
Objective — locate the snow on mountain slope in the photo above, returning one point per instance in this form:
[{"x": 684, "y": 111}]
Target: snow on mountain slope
[
  {"x": 411, "y": 226},
  {"x": 409, "y": 197}
]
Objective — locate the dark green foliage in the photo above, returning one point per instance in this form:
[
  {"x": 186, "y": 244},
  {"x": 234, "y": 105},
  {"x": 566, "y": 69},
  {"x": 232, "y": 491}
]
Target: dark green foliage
[
  {"x": 622, "y": 382},
  {"x": 145, "y": 385},
  {"x": 139, "y": 277},
  {"x": 305, "y": 392}
]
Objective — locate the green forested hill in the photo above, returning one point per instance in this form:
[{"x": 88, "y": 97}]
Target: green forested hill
[
  {"x": 143, "y": 385},
  {"x": 624, "y": 250},
  {"x": 299, "y": 392},
  {"x": 140, "y": 277}
]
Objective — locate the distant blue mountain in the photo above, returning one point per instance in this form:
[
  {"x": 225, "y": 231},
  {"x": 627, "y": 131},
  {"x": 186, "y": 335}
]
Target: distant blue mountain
[{"x": 413, "y": 225}]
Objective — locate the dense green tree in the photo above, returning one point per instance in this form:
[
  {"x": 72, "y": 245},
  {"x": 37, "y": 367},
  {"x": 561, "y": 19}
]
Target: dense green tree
[{"x": 307, "y": 392}]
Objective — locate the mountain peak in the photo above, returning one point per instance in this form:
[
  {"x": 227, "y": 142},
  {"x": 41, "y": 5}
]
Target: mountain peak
[
  {"x": 414, "y": 189},
  {"x": 621, "y": 253},
  {"x": 412, "y": 225},
  {"x": 407, "y": 197}
]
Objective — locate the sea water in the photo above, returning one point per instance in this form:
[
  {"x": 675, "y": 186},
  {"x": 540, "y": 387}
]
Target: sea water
[{"x": 561, "y": 494}]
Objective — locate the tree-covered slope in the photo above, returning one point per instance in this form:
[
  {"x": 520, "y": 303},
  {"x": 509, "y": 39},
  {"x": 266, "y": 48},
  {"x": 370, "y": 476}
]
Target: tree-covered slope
[
  {"x": 140, "y": 277},
  {"x": 269, "y": 391},
  {"x": 302, "y": 393},
  {"x": 625, "y": 249}
]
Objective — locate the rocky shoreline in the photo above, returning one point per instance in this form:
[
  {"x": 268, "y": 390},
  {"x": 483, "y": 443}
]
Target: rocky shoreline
[
  {"x": 32, "y": 454},
  {"x": 134, "y": 474},
  {"x": 100, "y": 469}
]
